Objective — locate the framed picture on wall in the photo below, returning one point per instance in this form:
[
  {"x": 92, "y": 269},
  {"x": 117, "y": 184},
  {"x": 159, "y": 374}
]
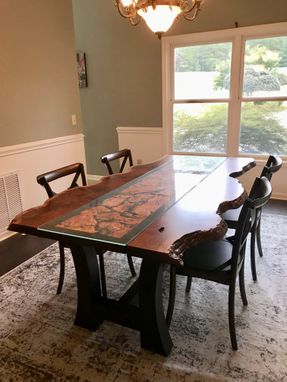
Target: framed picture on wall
[{"x": 82, "y": 69}]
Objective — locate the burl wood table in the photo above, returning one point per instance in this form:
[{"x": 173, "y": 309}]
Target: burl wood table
[{"x": 143, "y": 212}]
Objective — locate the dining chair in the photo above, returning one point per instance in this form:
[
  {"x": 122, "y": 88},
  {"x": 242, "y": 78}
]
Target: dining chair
[
  {"x": 78, "y": 172},
  {"x": 123, "y": 156},
  {"x": 231, "y": 216},
  {"x": 222, "y": 261}
]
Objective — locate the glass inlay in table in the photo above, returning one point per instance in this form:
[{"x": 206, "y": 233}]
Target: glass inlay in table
[{"x": 121, "y": 214}]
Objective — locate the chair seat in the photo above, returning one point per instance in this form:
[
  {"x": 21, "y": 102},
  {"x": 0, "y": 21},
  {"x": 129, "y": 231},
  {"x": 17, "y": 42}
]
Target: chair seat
[{"x": 212, "y": 256}]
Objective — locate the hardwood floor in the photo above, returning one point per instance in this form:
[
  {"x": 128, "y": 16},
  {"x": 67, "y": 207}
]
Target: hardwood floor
[
  {"x": 277, "y": 207},
  {"x": 19, "y": 248}
]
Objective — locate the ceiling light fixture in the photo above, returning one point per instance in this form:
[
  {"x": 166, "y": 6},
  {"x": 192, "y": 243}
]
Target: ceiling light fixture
[{"x": 159, "y": 15}]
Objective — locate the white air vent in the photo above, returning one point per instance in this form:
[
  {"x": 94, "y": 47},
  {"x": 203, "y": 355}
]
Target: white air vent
[{"x": 10, "y": 199}]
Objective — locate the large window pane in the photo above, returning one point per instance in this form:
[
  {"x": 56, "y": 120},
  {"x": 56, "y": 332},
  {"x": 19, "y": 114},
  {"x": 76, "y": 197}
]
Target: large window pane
[
  {"x": 200, "y": 128},
  {"x": 202, "y": 72},
  {"x": 263, "y": 128},
  {"x": 265, "y": 67}
]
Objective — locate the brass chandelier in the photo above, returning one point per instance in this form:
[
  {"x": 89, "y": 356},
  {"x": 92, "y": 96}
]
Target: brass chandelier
[{"x": 159, "y": 15}]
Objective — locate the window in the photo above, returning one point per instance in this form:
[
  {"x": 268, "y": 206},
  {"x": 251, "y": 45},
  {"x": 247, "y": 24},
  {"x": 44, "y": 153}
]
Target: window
[{"x": 225, "y": 92}]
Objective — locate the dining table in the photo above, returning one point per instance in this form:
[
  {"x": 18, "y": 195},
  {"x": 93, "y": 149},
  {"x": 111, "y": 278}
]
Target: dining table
[{"x": 153, "y": 212}]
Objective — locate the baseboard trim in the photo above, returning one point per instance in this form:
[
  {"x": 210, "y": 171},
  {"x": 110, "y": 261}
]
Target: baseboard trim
[
  {"x": 139, "y": 130},
  {"x": 278, "y": 196},
  {"x": 93, "y": 178},
  {"x": 6, "y": 234}
]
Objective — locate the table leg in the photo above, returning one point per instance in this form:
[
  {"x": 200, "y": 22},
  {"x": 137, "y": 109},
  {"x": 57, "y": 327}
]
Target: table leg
[
  {"x": 154, "y": 330},
  {"x": 89, "y": 288}
]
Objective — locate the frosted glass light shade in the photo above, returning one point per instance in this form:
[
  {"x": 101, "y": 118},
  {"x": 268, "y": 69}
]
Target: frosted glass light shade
[
  {"x": 126, "y": 3},
  {"x": 159, "y": 15},
  {"x": 160, "y": 19}
]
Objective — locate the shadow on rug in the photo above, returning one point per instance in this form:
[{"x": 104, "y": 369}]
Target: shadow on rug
[{"x": 40, "y": 343}]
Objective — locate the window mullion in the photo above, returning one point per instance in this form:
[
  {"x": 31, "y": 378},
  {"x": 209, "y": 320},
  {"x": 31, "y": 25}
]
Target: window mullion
[
  {"x": 233, "y": 128},
  {"x": 168, "y": 95}
]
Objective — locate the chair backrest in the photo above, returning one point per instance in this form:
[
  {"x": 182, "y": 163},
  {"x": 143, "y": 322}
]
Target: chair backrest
[
  {"x": 75, "y": 168},
  {"x": 259, "y": 195},
  {"x": 272, "y": 165},
  {"x": 123, "y": 155}
]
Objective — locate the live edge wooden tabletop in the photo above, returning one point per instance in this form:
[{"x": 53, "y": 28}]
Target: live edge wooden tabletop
[{"x": 153, "y": 210}]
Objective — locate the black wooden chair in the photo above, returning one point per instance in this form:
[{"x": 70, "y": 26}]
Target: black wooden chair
[
  {"x": 223, "y": 260},
  {"x": 78, "y": 172},
  {"x": 272, "y": 165},
  {"x": 122, "y": 157}
]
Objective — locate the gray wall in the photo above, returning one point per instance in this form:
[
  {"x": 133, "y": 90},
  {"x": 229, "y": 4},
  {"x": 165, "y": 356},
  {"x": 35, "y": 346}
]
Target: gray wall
[
  {"x": 124, "y": 64},
  {"x": 124, "y": 76},
  {"x": 38, "y": 77}
]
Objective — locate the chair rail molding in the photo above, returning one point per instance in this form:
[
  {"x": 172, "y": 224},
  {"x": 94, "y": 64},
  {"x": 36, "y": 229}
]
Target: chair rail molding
[{"x": 38, "y": 145}]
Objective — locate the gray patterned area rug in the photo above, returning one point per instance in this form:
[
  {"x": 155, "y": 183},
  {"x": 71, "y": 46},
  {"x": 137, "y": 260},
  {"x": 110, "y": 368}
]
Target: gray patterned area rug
[{"x": 40, "y": 343}]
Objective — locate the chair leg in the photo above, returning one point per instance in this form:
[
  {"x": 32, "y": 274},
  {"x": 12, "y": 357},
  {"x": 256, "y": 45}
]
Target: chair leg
[
  {"x": 242, "y": 286},
  {"x": 188, "y": 284},
  {"x": 103, "y": 274},
  {"x": 252, "y": 254},
  {"x": 62, "y": 268},
  {"x": 231, "y": 317},
  {"x": 172, "y": 291},
  {"x": 258, "y": 237},
  {"x": 131, "y": 265}
]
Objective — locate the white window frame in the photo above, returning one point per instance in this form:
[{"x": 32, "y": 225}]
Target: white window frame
[{"x": 237, "y": 36}]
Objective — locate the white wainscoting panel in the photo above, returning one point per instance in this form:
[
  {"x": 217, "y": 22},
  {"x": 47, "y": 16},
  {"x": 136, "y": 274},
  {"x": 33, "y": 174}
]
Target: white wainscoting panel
[
  {"x": 34, "y": 158},
  {"x": 146, "y": 143}
]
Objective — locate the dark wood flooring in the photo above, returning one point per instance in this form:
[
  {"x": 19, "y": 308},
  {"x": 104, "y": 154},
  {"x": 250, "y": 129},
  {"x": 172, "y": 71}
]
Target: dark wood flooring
[
  {"x": 276, "y": 207},
  {"x": 19, "y": 248}
]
